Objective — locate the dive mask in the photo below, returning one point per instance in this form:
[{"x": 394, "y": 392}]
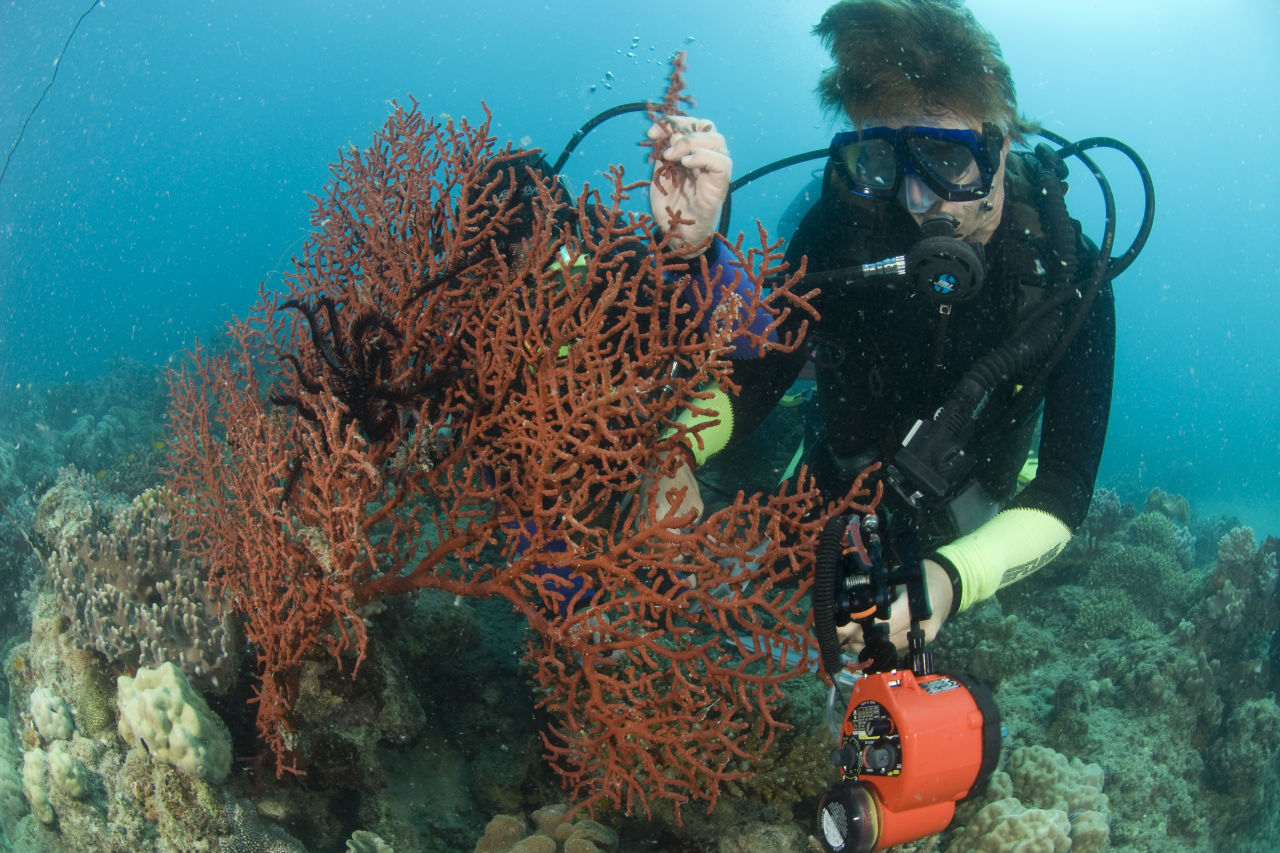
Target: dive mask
[{"x": 956, "y": 164}]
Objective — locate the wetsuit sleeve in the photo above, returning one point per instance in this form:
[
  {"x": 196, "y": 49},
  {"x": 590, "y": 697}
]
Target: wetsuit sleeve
[
  {"x": 1010, "y": 546},
  {"x": 708, "y": 424},
  {"x": 715, "y": 423},
  {"x": 725, "y": 280}
]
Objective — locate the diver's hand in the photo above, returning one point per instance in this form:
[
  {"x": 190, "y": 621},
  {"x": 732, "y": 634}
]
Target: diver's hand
[
  {"x": 940, "y": 595},
  {"x": 699, "y": 186},
  {"x": 674, "y": 492}
]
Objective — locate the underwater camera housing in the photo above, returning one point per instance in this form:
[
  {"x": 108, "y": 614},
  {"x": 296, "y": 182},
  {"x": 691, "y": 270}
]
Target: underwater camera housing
[
  {"x": 911, "y": 748},
  {"x": 912, "y": 743}
]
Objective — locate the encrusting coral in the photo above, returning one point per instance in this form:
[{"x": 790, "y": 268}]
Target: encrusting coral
[
  {"x": 1164, "y": 682},
  {"x": 51, "y": 714},
  {"x": 91, "y": 791}
]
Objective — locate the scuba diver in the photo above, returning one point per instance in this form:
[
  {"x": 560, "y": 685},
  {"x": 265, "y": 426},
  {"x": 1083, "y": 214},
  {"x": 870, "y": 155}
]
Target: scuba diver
[{"x": 960, "y": 305}]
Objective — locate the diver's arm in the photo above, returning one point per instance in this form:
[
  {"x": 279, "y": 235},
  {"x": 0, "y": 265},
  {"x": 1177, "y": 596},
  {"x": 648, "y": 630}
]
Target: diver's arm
[
  {"x": 712, "y": 422},
  {"x": 762, "y": 381},
  {"x": 1039, "y": 522},
  {"x": 717, "y": 417},
  {"x": 940, "y": 592},
  {"x": 1076, "y": 410}
]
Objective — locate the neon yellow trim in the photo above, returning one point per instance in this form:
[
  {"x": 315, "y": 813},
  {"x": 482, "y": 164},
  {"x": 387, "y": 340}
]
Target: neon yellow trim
[
  {"x": 796, "y": 394},
  {"x": 790, "y": 401},
  {"x": 1028, "y": 472},
  {"x": 793, "y": 464},
  {"x": 559, "y": 265},
  {"x": 713, "y": 424},
  {"x": 567, "y": 267},
  {"x": 563, "y": 261},
  {"x": 1010, "y": 546}
]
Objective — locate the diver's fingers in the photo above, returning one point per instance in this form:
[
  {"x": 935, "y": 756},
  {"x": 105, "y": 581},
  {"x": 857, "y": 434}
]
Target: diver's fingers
[
  {"x": 658, "y": 130},
  {"x": 701, "y": 133},
  {"x": 680, "y": 145},
  {"x": 713, "y": 162},
  {"x": 681, "y": 124},
  {"x": 664, "y": 134},
  {"x": 850, "y": 635}
]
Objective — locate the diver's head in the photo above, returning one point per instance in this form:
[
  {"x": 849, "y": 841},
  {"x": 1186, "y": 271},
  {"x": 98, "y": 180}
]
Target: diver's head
[{"x": 925, "y": 65}]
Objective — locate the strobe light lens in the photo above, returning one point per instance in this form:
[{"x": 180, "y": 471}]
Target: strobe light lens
[
  {"x": 835, "y": 825},
  {"x": 848, "y": 819}
]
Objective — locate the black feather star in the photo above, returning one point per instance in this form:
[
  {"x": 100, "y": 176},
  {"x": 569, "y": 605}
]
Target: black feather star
[{"x": 358, "y": 359}]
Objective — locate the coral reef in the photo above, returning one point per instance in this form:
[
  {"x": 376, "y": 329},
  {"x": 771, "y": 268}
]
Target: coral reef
[
  {"x": 362, "y": 841},
  {"x": 1174, "y": 507},
  {"x": 1158, "y": 672},
  {"x": 1041, "y": 801},
  {"x": 1137, "y": 675},
  {"x": 51, "y": 714},
  {"x": 1107, "y": 514},
  {"x": 85, "y": 789},
  {"x": 424, "y": 410},
  {"x": 91, "y": 443}
]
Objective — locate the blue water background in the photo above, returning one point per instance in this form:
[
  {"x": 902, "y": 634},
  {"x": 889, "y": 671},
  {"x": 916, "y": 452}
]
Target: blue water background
[{"x": 166, "y": 174}]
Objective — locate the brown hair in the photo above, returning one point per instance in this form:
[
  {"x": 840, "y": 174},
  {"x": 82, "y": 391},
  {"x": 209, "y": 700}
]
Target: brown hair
[{"x": 895, "y": 57}]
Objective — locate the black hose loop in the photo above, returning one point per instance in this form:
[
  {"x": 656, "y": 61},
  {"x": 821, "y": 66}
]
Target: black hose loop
[{"x": 591, "y": 124}]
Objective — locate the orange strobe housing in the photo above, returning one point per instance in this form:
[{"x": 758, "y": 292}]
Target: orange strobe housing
[{"x": 921, "y": 745}]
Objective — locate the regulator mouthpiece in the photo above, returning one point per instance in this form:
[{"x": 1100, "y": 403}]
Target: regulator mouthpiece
[{"x": 943, "y": 266}]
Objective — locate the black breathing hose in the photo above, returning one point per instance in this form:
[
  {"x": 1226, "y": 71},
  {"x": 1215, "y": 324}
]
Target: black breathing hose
[
  {"x": 1031, "y": 346},
  {"x": 826, "y": 577},
  {"x": 1119, "y": 264},
  {"x": 766, "y": 169},
  {"x": 591, "y": 124},
  {"x": 1106, "y": 267}
]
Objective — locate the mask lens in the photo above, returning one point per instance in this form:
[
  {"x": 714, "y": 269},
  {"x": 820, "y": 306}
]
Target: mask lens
[
  {"x": 871, "y": 166},
  {"x": 952, "y": 164}
]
